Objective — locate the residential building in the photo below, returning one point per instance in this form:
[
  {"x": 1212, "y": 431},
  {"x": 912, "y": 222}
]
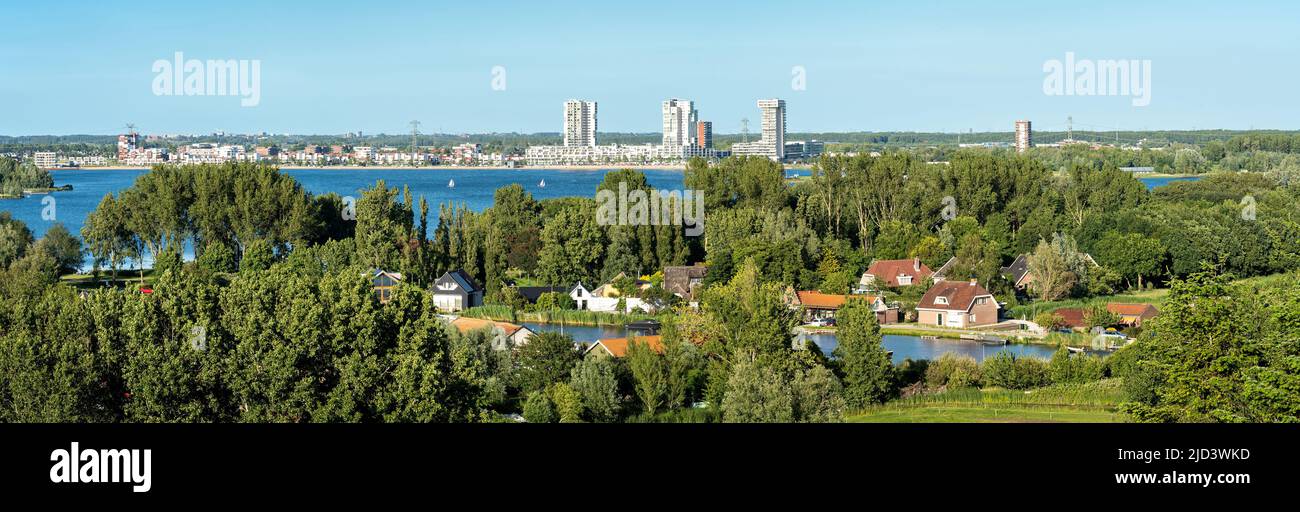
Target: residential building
[
  {"x": 45, "y": 159},
  {"x": 679, "y": 118},
  {"x": 804, "y": 149},
  {"x": 126, "y": 144},
  {"x": 895, "y": 273},
  {"x": 772, "y": 142},
  {"x": 942, "y": 274},
  {"x": 456, "y": 290},
  {"x": 505, "y": 335},
  {"x": 617, "y": 347},
  {"x": 1018, "y": 271},
  {"x": 957, "y": 304},
  {"x": 1132, "y": 314},
  {"x": 685, "y": 281},
  {"x": 579, "y": 123},
  {"x": 1024, "y": 136},
  {"x": 383, "y": 282},
  {"x": 613, "y": 154},
  {"x": 704, "y": 134},
  {"x": 606, "y": 297},
  {"x": 823, "y": 306},
  {"x": 364, "y": 153}
]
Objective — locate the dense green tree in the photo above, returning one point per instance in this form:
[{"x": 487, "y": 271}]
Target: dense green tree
[
  {"x": 868, "y": 371},
  {"x": 757, "y": 394},
  {"x": 547, "y": 358},
  {"x": 596, "y": 383}
]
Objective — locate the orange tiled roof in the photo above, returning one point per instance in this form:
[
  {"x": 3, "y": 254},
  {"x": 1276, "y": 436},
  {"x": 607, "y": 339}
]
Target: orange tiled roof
[
  {"x": 820, "y": 300},
  {"x": 617, "y": 347}
]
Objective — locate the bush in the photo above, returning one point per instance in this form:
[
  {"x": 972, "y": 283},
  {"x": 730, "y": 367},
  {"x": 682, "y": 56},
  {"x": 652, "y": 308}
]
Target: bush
[
  {"x": 539, "y": 409},
  {"x": 551, "y": 301},
  {"x": 1006, "y": 370},
  {"x": 1067, "y": 367},
  {"x": 953, "y": 371}
]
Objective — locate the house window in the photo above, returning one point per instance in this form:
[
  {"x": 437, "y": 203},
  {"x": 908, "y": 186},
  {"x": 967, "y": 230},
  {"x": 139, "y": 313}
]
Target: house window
[
  {"x": 941, "y": 300},
  {"x": 904, "y": 280}
]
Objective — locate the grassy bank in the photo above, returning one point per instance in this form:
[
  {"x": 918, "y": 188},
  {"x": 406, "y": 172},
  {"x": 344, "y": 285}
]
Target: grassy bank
[
  {"x": 1093, "y": 402},
  {"x": 566, "y": 316},
  {"x": 1154, "y": 296}
]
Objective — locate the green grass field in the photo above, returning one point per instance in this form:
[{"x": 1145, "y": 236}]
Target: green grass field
[{"x": 1093, "y": 402}]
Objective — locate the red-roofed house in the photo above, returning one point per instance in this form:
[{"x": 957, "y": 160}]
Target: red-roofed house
[
  {"x": 895, "y": 273},
  {"x": 957, "y": 304}
]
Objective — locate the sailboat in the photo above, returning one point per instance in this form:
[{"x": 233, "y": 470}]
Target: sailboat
[
  {"x": 542, "y": 184},
  {"x": 451, "y": 184}
]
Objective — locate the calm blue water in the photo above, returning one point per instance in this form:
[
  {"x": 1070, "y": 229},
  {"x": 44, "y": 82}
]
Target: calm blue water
[
  {"x": 1160, "y": 182},
  {"x": 915, "y": 348},
  {"x": 904, "y": 347},
  {"x": 580, "y": 333}
]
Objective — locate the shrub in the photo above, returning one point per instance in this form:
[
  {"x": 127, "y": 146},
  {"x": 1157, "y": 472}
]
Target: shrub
[
  {"x": 1067, "y": 367},
  {"x": 539, "y": 409},
  {"x": 953, "y": 371},
  {"x": 1006, "y": 370}
]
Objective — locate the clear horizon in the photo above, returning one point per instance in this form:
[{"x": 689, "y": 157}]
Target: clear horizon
[{"x": 331, "y": 68}]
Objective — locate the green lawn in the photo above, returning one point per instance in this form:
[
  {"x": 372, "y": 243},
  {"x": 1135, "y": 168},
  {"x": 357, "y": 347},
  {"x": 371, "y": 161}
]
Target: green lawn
[
  {"x": 985, "y": 413},
  {"x": 1094, "y": 402}
]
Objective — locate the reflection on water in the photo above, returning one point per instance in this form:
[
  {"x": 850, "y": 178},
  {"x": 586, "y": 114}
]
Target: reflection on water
[
  {"x": 903, "y": 347},
  {"x": 915, "y": 348},
  {"x": 580, "y": 333}
]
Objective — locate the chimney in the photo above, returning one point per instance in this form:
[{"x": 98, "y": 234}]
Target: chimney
[
  {"x": 916, "y": 264},
  {"x": 974, "y": 282}
]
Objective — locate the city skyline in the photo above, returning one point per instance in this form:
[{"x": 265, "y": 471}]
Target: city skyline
[{"x": 940, "y": 67}]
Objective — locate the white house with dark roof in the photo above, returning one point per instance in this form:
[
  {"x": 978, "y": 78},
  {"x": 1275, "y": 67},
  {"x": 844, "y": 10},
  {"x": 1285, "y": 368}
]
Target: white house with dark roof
[{"x": 456, "y": 290}]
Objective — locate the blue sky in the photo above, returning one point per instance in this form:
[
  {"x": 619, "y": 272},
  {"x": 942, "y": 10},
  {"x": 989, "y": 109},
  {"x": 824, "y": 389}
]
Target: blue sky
[{"x": 334, "y": 67}]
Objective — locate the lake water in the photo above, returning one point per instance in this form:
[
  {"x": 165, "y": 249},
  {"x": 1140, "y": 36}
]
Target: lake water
[
  {"x": 903, "y": 347},
  {"x": 1160, "y": 182},
  {"x": 915, "y": 348}
]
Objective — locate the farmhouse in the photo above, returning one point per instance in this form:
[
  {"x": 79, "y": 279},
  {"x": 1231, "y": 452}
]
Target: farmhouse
[
  {"x": 895, "y": 273},
  {"x": 957, "y": 304}
]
